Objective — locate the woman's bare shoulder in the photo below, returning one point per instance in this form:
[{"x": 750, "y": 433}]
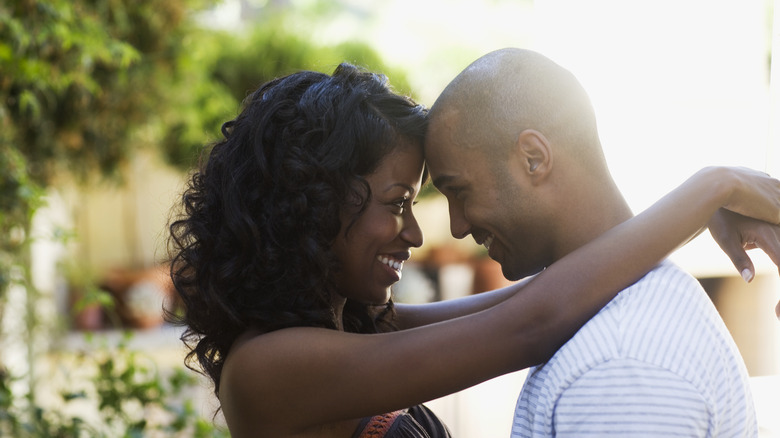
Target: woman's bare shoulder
[
  {"x": 256, "y": 358},
  {"x": 268, "y": 376}
]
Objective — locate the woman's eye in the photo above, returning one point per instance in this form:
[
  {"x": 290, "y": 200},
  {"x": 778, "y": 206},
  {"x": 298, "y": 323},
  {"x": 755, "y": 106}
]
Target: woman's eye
[{"x": 399, "y": 205}]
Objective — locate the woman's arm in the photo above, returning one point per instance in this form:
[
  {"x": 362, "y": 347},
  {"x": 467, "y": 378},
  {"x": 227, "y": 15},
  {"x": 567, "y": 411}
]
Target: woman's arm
[
  {"x": 313, "y": 376},
  {"x": 733, "y": 232},
  {"x": 416, "y": 315},
  {"x": 624, "y": 253}
]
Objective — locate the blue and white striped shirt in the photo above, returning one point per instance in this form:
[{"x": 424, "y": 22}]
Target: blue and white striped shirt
[{"x": 656, "y": 361}]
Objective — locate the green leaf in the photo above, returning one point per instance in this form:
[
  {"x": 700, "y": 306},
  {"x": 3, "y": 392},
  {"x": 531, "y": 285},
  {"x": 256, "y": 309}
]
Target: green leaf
[{"x": 28, "y": 103}]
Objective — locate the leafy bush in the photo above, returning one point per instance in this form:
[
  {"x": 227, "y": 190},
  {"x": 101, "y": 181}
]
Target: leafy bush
[{"x": 108, "y": 392}]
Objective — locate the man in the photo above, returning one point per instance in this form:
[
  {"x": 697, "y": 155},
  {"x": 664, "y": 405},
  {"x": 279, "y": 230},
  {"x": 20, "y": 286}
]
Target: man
[{"x": 514, "y": 147}]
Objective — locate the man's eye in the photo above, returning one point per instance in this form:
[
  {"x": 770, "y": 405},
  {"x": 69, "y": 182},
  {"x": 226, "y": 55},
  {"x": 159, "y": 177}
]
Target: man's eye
[{"x": 456, "y": 192}]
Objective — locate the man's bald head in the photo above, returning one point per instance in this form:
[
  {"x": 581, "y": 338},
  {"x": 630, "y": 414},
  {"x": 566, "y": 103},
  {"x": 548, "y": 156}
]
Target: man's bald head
[
  {"x": 512, "y": 144},
  {"x": 508, "y": 91}
]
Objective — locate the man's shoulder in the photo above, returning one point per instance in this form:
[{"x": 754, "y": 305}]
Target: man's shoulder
[
  {"x": 665, "y": 287},
  {"x": 664, "y": 318},
  {"x": 668, "y": 277}
]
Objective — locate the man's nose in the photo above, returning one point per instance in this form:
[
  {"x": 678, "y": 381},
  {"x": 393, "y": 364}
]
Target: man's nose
[{"x": 459, "y": 226}]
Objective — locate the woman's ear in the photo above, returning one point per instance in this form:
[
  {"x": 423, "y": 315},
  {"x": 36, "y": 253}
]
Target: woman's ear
[{"x": 536, "y": 153}]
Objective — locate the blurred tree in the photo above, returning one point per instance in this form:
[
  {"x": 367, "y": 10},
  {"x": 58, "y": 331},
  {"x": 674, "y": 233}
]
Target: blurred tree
[
  {"x": 80, "y": 80},
  {"x": 269, "y": 51},
  {"x": 233, "y": 64},
  {"x": 80, "y": 77}
]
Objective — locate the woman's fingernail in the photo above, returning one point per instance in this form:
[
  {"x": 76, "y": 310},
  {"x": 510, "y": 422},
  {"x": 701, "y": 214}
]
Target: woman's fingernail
[{"x": 747, "y": 275}]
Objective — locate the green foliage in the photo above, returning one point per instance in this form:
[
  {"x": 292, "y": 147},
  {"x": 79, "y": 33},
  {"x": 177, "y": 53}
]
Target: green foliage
[
  {"x": 19, "y": 199},
  {"x": 270, "y": 51},
  {"x": 66, "y": 85},
  {"x": 201, "y": 103},
  {"x": 80, "y": 81},
  {"x": 110, "y": 392},
  {"x": 226, "y": 67}
]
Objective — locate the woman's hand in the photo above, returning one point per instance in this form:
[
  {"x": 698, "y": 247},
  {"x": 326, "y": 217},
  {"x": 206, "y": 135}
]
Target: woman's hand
[
  {"x": 756, "y": 195},
  {"x": 752, "y": 193},
  {"x": 735, "y": 234}
]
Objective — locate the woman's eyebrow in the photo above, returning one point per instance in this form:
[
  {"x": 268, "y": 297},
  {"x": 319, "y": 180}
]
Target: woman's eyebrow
[{"x": 399, "y": 184}]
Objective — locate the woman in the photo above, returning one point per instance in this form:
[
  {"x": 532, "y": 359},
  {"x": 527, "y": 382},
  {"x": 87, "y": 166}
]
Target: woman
[{"x": 300, "y": 222}]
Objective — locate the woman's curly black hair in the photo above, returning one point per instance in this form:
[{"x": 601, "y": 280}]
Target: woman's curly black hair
[{"x": 251, "y": 247}]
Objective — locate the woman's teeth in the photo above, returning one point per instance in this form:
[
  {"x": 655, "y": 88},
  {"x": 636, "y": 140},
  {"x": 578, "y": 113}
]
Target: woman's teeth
[
  {"x": 488, "y": 241},
  {"x": 395, "y": 264}
]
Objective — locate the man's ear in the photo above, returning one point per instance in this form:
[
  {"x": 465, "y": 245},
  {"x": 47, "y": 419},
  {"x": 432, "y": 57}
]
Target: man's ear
[{"x": 536, "y": 153}]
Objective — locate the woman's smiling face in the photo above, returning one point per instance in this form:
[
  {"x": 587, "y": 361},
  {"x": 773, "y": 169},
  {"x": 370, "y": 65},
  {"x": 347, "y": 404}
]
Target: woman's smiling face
[{"x": 371, "y": 252}]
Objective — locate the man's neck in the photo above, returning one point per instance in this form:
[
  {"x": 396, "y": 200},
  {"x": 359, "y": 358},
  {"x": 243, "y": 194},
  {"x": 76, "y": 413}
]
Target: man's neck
[{"x": 590, "y": 217}]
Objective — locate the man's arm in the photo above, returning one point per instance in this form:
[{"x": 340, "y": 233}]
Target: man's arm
[{"x": 416, "y": 315}]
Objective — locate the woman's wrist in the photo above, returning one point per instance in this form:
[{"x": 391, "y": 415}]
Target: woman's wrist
[
  {"x": 718, "y": 184},
  {"x": 745, "y": 191}
]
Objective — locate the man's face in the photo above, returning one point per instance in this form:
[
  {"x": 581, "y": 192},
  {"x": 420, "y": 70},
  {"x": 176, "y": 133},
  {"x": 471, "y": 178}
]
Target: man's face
[{"x": 488, "y": 197}]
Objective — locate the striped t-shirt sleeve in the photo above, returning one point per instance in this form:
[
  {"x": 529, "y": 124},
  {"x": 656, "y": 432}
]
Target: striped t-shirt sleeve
[
  {"x": 629, "y": 398},
  {"x": 656, "y": 361}
]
